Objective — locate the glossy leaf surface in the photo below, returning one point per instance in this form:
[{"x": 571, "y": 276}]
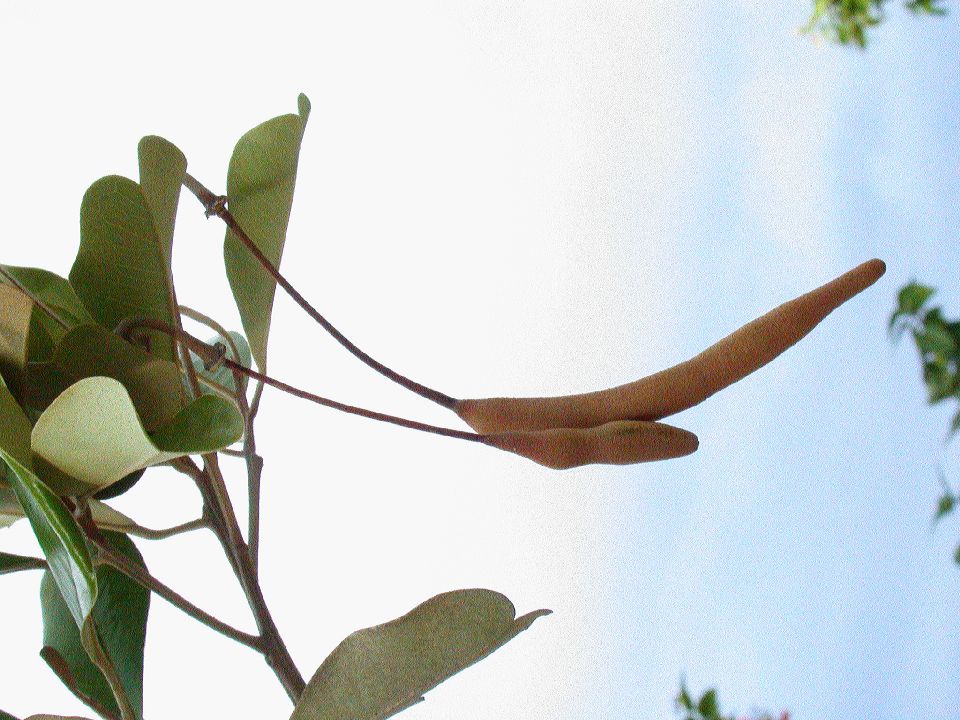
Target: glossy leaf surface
[
  {"x": 377, "y": 672},
  {"x": 59, "y": 537},
  {"x": 120, "y": 619},
  {"x": 91, "y": 436},
  {"x": 121, "y": 271},
  {"x": 260, "y": 184}
]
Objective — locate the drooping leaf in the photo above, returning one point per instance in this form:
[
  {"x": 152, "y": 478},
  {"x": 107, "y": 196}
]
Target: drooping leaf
[
  {"x": 91, "y": 436},
  {"x": 104, "y": 516},
  {"x": 59, "y": 537},
  {"x": 121, "y": 270},
  {"x": 10, "y": 563},
  {"x": 376, "y": 672},
  {"x": 154, "y": 384},
  {"x": 162, "y": 169},
  {"x": 222, "y": 375},
  {"x": 260, "y": 184},
  {"x": 120, "y": 619},
  {"x": 15, "y": 311}
]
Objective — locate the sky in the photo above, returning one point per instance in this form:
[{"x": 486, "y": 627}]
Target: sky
[{"x": 499, "y": 198}]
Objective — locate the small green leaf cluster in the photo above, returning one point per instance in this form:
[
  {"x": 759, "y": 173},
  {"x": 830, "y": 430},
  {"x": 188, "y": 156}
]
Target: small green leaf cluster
[
  {"x": 847, "y": 22},
  {"x": 707, "y": 707},
  {"x": 938, "y": 344}
]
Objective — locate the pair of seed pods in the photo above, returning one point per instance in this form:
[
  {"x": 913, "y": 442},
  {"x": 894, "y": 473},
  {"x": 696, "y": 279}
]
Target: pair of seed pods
[{"x": 619, "y": 426}]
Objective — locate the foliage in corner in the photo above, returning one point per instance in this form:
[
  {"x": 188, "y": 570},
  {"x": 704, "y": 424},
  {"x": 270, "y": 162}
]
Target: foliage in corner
[
  {"x": 848, "y": 22},
  {"x": 707, "y": 707}
]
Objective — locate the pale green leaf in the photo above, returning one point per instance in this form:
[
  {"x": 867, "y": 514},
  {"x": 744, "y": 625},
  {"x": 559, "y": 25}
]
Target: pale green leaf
[
  {"x": 104, "y": 516},
  {"x": 260, "y": 184},
  {"x": 60, "y": 539},
  {"x": 120, "y": 620},
  {"x": 121, "y": 271},
  {"x": 377, "y": 672},
  {"x": 222, "y": 375},
  {"x": 91, "y": 436},
  {"x": 154, "y": 384},
  {"x": 52, "y": 290}
]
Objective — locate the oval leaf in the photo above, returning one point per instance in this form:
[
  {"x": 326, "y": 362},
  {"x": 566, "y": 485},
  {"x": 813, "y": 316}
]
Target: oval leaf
[
  {"x": 53, "y": 290},
  {"x": 59, "y": 537},
  {"x": 91, "y": 436},
  {"x": 377, "y": 672},
  {"x": 260, "y": 183},
  {"x": 15, "y": 311},
  {"x": 120, "y": 619},
  {"x": 121, "y": 271},
  {"x": 162, "y": 169}
]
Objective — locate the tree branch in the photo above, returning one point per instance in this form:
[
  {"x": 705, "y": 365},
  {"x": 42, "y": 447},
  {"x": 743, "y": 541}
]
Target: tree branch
[{"x": 216, "y": 205}]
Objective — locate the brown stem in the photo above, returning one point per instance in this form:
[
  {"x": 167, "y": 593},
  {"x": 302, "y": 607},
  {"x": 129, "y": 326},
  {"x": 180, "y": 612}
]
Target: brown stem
[
  {"x": 164, "y": 533},
  {"x": 273, "y": 648},
  {"x": 138, "y": 574},
  {"x": 210, "y": 354},
  {"x": 216, "y": 205}
]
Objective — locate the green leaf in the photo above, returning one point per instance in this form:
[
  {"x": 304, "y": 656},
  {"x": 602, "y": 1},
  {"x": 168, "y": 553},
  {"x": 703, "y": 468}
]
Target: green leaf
[
  {"x": 154, "y": 384},
  {"x": 10, "y": 563},
  {"x": 14, "y": 429},
  {"x": 162, "y": 169},
  {"x": 222, "y": 375},
  {"x": 936, "y": 339},
  {"x": 708, "y": 706},
  {"x": 59, "y": 537},
  {"x": 120, "y": 619},
  {"x": 52, "y": 290},
  {"x": 260, "y": 183},
  {"x": 121, "y": 270},
  {"x": 91, "y": 436},
  {"x": 104, "y": 516},
  {"x": 8, "y": 716},
  {"x": 377, "y": 672},
  {"x": 15, "y": 312},
  {"x": 945, "y": 506},
  {"x": 956, "y": 555}
]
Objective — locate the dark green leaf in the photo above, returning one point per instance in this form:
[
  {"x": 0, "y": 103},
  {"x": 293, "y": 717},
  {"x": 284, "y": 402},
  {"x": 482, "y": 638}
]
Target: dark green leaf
[
  {"x": 15, "y": 563},
  {"x": 377, "y": 672},
  {"x": 935, "y": 339},
  {"x": 14, "y": 429},
  {"x": 708, "y": 706},
  {"x": 6, "y": 716},
  {"x": 945, "y": 506},
  {"x": 120, "y": 619},
  {"x": 15, "y": 312},
  {"x": 260, "y": 184},
  {"x": 121, "y": 270},
  {"x": 59, "y": 537}
]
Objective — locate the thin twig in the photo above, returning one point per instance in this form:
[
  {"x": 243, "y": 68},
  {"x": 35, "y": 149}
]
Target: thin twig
[
  {"x": 216, "y": 205},
  {"x": 164, "y": 533},
  {"x": 36, "y": 300},
  {"x": 138, "y": 574},
  {"x": 210, "y": 354}
]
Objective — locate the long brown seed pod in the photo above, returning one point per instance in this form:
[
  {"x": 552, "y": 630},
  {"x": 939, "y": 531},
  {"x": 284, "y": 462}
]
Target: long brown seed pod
[
  {"x": 681, "y": 386},
  {"x": 622, "y": 442}
]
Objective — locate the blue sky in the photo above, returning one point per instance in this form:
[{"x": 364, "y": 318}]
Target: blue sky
[{"x": 546, "y": 198}]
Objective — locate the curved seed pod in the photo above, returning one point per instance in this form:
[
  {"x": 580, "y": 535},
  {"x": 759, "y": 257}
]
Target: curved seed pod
[
  {"x": 622, "y": 442},
  {"x": 684, "y": 385}
]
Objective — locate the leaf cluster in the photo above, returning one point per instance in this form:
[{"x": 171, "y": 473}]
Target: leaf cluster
[
  {"x": 848, "y": 22},
  {"x": 98, "y": 382},
  {"x": 707, "y": 707}
]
